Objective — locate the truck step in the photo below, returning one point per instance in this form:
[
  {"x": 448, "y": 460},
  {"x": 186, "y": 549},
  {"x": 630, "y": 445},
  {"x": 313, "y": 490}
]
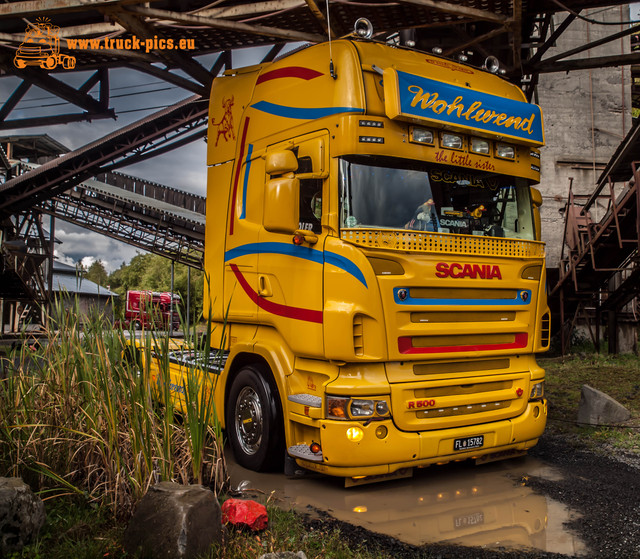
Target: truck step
[
  {"x": 215, "y": 363},
  {"x": 303, "y": 452},
  {"x": 306, "y": 400}
]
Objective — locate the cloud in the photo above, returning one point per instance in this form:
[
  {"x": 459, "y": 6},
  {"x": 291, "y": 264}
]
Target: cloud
[
  {"x": 184, "y": 168},
  {"x": 60, "y": 256},
  {"x": 80, "y": 245}
]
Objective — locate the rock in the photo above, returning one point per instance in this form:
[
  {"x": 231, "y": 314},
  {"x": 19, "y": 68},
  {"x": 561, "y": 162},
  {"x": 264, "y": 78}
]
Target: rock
[
  {"x": 21, "y": 515},
  {"x": 597, "y": 408},
  {"x": 245, "y": 513},
  {"x": 174, "y": 521},
  {"x": 284, "y": 555}
]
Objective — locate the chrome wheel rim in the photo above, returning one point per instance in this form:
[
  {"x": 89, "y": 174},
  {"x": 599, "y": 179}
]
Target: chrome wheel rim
[{"x": 248, "y": 420}]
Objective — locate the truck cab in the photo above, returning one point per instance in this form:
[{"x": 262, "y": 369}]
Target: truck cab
[{"x": 376, "y": 278}]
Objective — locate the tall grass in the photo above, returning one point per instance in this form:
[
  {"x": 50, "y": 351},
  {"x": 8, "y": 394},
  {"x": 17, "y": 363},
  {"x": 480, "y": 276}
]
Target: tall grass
[{"x": 77, "y": 415}]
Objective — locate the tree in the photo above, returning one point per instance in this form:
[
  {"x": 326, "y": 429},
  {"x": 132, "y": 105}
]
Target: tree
[{"x": 97, "y": 273}]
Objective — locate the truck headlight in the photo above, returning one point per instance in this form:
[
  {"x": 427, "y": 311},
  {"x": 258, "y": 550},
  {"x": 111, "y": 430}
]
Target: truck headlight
[
  {"x": 537, "y": 391},
  {"x": 343, "y": 407},
  {"x": 361, "y": 408},
  {"x": 505, "y": 151}
]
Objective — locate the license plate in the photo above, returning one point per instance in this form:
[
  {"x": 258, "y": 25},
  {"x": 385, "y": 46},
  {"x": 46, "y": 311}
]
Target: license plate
[
  {"x": 467, "y": 520},
  {"x": 468, "y": 443}
]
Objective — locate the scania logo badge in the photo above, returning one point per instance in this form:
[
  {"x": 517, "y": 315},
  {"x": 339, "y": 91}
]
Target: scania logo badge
[
  {"x": 524, "y": 296},
  {"x": 402, "y": 294}
]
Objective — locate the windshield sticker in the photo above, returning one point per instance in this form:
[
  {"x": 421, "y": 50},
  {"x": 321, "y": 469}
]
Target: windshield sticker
[
  {"x": 463, "y": 179},
  {"x": 464, "y": 160}
]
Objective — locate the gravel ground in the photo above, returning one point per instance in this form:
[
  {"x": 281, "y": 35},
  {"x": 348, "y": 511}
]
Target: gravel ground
[{"x": 603, "y": 488}]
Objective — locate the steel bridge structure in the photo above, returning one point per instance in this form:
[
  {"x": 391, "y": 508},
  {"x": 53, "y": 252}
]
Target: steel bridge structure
[{"x": 101, "y": 36}]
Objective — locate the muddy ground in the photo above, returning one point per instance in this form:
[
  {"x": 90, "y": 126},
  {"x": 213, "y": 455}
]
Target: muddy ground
[{"x": 603, "y": 487}]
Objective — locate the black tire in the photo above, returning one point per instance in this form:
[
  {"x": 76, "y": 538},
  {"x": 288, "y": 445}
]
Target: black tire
[{"x": 255, "y": 427}]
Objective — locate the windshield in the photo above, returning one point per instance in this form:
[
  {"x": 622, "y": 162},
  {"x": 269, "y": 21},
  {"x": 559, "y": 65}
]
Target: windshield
[{"x": 404, "y": 194}]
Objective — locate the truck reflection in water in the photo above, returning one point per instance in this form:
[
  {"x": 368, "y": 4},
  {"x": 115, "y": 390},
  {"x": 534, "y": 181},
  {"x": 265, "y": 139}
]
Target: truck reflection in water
[{"x": 486, "y": 506}]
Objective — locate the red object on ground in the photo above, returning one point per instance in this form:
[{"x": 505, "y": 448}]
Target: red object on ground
[{"x": 245, "y": 513}]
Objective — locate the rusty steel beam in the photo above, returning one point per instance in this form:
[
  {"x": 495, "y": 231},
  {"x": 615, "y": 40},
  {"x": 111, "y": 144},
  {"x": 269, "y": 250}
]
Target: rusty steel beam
[
  {"x": 587, "y": 46},
  {"x": 171, "y": 57},
  {"x": 461, "y": 11},
  {"x": 14, "y": 99},
  {"x": 250, "y": 9},
  {"x": 475, "y": 41},
  {"x": 49, "y": 7},
  {"x": 313, "y": 7},
  {"x": 589, "y": 63},
  {"x": 515, "y": 35},
  {"x": 52, "y": 85},
  {"x": 217, "y": 23},
  {"x": 53, "y": 120},
  {"x": 170, "y": 77},
  {"x": 551, "y": 40}
]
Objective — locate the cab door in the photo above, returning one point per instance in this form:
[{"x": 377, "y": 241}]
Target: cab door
[
  {"x": 290, "y": 264},
  {"x": 241, "y": 246}
]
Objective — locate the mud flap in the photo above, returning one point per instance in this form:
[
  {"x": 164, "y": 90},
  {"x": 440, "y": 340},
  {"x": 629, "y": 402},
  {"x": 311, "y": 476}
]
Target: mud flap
[{"x": 291, "y": 468}]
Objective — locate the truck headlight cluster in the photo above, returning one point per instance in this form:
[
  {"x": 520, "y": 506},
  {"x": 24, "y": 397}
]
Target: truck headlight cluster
[
  {"x": 505, "y": 151},
  {"x": 343, "y": 407},
  {"x": 537, "y": 391}
]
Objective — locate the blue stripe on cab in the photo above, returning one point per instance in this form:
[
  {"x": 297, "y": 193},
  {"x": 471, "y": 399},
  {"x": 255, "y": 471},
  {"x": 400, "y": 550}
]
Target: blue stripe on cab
[
  {"x": 306, "y": 253},
  {"x": 465, "y": 302},
  {"x": 302, "y": 113},
  {"x": 346, "y": 265}
]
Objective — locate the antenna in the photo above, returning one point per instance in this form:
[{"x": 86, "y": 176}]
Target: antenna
[{"x": 332, "y": 70}]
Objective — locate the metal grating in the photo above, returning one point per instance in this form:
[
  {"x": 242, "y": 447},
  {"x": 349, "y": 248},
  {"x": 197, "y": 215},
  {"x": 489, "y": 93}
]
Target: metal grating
[{"x": 443, "y": 243}]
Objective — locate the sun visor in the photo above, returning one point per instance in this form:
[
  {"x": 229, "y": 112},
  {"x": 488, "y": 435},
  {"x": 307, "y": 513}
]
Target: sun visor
[{"x": 418, "y": 99}]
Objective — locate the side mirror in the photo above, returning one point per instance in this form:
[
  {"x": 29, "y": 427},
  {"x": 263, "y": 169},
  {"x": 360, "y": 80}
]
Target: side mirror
[
  {"x": 536, "y": 197},
  {"x": 281, "y": 162},
  {"x": 536, "y": 201},
  {"x": 282, "y": 205}
]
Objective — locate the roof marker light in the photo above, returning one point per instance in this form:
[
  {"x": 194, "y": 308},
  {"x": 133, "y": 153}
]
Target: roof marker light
[{"x": 491, "y": 64}]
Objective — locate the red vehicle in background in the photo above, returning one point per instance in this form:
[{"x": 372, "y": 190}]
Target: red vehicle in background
[{"x": 151, "y": 310}]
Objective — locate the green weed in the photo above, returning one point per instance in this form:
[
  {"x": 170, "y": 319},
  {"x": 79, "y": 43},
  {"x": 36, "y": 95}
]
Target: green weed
[
  {"x": 615, "y": 375},
  {"x": 77, "y": 417}
]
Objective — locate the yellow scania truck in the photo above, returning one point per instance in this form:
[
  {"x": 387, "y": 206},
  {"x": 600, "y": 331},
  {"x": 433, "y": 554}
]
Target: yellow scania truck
[{"x": 374, "y": 259}]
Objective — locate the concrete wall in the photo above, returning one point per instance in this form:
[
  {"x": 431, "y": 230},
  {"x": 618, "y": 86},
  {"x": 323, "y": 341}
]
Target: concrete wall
[{"x": 586, "y": 115}]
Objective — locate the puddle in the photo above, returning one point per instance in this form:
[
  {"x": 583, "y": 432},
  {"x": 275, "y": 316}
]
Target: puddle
[{"x": 458, "y": 504}]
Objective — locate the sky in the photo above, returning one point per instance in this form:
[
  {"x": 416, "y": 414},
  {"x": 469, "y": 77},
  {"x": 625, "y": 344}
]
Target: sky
[{"x": 132, "y": 93}]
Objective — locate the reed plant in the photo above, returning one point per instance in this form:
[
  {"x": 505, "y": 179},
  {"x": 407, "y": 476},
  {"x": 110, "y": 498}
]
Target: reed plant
[{"x": 78, "y": 413}]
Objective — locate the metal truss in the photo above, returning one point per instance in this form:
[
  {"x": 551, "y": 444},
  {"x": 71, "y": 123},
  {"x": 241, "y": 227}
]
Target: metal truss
[
  {"x": 95, "y": 34},
  {"x": 144, "y": 214},
  {"x": 158, "y": 234},
  {"x": 160, "y": 132},
  {"x": 25, "y": 254}
]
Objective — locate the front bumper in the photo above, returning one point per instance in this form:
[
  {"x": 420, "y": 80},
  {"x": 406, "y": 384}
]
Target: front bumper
[{"x": 398, "y": 449}]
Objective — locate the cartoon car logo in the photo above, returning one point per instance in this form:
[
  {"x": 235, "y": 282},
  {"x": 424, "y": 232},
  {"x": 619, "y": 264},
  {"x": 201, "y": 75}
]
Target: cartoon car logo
[{"x": 41, "y": 47}]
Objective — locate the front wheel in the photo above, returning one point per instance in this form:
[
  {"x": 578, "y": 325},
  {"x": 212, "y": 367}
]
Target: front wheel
[{"x": 254, "y": 420}]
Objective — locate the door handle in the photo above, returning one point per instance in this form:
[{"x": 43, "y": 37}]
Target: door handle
[{"x": 264, "y": 287}]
